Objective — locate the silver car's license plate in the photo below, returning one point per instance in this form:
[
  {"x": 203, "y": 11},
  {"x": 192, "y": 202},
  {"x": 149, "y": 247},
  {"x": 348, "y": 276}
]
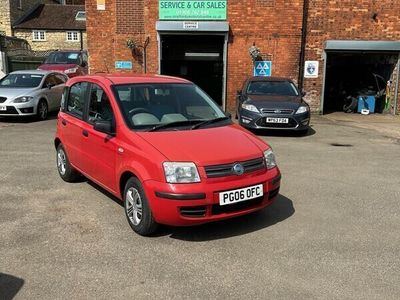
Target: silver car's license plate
[
  {"x": 277, "y": 120},
  {"x": 3, "y": 108}
]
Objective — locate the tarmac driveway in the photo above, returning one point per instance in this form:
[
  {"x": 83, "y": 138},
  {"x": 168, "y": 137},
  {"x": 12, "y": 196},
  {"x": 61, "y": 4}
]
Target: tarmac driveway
[{"x": 333, "y": 233}]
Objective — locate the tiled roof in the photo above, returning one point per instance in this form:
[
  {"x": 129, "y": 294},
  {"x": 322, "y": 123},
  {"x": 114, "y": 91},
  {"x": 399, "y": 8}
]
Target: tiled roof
[{"x": 52, "y": 16}]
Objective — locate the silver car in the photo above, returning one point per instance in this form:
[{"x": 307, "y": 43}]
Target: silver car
[{"x": 31, "y": 93}]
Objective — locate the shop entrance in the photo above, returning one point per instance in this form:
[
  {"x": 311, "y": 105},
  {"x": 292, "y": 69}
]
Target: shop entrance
[
  {"x": 196, "y": 57},
  {"x": 355, "y": 75}
]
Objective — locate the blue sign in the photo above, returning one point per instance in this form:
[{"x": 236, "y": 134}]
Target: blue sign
[
  {"x": 123, "y": 64},
  {"x": 262, "y": 68}
]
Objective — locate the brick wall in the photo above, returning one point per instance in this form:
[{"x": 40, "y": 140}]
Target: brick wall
[
  {"x": 273, "y": 25},
  {"x": 54, "y": 40},
  {"x": 346, "y": 20}
]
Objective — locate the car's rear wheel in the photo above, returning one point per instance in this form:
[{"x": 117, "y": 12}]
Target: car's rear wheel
[
  {"x": 65, "y": 170},
  {"x": 42, "y": 110},
  {"x": 137, "y": 208}
]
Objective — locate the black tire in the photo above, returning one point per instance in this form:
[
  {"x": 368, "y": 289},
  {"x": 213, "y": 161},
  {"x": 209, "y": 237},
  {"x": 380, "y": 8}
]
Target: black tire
[
  {"x": 65, "y": 170},
  {"x": 142, "y": 223},
  {"x": 42, "y": 110}
]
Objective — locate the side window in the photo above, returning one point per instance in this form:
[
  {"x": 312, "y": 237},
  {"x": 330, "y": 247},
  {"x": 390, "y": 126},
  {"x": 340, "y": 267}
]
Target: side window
[
  {"x": 50, "y": 80},
  {"x": 76, "y": 99},
  {"x": 59, "y": 79},
  {"x": 99, "y": 106}
]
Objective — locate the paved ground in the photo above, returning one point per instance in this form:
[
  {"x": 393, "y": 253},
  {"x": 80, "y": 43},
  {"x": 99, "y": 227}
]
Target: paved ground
[{"x": 332, "y": 234}]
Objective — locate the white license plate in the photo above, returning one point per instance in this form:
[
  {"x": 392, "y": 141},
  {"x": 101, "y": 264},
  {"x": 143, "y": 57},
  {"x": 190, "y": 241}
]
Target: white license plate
[
  {"x": 3, "y": 108},
  {"x": 234, "y": 196},
  {"x": 277, "y": 120}
]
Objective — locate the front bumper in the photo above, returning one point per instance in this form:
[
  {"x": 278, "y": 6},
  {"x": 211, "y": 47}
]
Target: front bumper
[
  {"x": 198, "y": 203},
  {"x": 18, "y": 109},
  {"x": 254, "y": 120}
]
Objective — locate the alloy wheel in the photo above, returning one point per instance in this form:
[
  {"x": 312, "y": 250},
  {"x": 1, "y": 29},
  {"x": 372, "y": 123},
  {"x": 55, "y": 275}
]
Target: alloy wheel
[
  {"x": 61, "y": 162},
  {"x": 133, "y": 206}
]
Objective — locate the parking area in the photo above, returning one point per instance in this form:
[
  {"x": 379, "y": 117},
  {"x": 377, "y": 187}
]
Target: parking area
[{"x": 332, "y": 233}]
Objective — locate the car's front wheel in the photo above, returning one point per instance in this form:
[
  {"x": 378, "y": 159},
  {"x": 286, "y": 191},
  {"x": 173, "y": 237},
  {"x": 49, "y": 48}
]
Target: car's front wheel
[
  {"x": 42, "y": 110},
  {"x": 137, "y": 208}
]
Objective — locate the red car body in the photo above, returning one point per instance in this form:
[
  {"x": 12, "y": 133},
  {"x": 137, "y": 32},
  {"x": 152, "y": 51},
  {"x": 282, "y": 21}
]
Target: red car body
[
  {"x": 71, "y": 67},
  {"x": 110, "y": 161}
]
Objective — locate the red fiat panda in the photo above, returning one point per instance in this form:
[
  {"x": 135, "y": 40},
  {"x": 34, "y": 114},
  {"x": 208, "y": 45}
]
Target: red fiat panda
[{"x": 163, "y": 147}]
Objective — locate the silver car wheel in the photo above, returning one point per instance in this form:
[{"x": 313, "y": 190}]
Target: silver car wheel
[
  {"x": 133, "y": 206},
  {"x": 42, "y": 109},
  {"x": 61, "y": 162}
]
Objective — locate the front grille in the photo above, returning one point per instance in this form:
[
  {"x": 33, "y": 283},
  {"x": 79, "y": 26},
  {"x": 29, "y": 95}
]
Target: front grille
[
  {"x": 262, "y": 123},
  {"x": 218, "y": 209},
  {"x": 10, "y": 111},
  {"x": 227, "y": 169},
  {"x": 277, "y": 111},
  {"x": 3, "y": 99},
  {"x": 196, "y": 211}
]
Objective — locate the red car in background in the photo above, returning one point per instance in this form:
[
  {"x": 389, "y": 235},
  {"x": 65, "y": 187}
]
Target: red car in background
[
  {"x": 72, "y": 63},
  {"x": 165, "y": 148}
]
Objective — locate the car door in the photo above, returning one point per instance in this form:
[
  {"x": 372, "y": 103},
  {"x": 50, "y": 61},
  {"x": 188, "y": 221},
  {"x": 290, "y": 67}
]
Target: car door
[
  {"x": 72, "y": 121},
  {"x": 99, "y": 149}
]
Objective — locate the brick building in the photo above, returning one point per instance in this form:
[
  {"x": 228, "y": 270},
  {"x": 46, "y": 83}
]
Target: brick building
[
  {"x": 53, "y": 26},
  {"x": 209, "y": 42}
]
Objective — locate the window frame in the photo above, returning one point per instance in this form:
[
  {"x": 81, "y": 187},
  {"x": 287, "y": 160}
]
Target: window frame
[
  {"x": 72, "y": 32},
  {"x": 38, "y": 38},
  {"x": 83, "y": 117}
]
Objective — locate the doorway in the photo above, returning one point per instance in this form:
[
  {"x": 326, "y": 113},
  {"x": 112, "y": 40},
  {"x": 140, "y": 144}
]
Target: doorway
[{"x": 198, "y": 58}]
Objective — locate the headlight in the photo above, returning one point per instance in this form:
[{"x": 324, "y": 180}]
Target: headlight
[
  {"x": 250, "y": 107},
  {"x": 72, "y": 70},
  {"x": 302, "y": 109},
  {"x": 23, "y": 99},
  {"x": 269, "y": 157},
  {"x": 181, "y": 172}
]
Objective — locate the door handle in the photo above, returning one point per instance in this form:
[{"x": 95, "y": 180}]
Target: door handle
[
  {"x": 85, "y": 133},
  {"x": 63, "y": 122}
]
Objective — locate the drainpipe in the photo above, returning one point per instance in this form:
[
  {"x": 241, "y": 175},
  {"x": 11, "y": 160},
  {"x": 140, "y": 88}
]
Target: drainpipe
[
  {"x": 396, "y": 93},
  {"x": 81, "y": 38},
  {"x": 303, "y": 44}
]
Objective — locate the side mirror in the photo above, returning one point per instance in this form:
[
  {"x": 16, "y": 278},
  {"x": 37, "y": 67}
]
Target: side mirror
[
  {"x": 303, "y": 93},
  {"x": 105, "y": 127},
  {"x": 50, "y": 85},
  {"x": 84, "y": 64}
]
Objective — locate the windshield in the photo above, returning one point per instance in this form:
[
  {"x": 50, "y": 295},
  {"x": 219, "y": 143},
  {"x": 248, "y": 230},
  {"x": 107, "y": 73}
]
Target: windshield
[
  {"x": 166, "y": 106},
  {"x": 273, "y": 88},
  {"x": 21, "y": 80},
  {"x": 63, "y": 58}
]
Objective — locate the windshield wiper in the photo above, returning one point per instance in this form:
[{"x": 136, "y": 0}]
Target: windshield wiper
[
  {"x": 207, "y": 122},
  {"x": 173, "y": 124}
]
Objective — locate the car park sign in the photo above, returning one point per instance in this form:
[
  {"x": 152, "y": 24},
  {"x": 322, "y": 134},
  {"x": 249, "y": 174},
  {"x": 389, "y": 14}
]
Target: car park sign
[{"x": 262, "y": 68}]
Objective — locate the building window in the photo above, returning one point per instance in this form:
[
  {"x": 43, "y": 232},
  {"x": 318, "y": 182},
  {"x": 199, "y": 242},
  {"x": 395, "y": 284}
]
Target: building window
[
  {"x": 80, "y": 16},
  {"x": 72, "y": 36},
  {"x": 39, "y": 35}
]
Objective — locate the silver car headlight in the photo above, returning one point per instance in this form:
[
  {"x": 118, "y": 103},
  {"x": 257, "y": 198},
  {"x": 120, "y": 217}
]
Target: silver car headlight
[
  {"x": 181, "y": 172},
  {"x": 302, "y": 109},
  {"x": 22, "y": 99},
  {"x": 250, "y": 107},
  {"x": 270, "y": 160}
]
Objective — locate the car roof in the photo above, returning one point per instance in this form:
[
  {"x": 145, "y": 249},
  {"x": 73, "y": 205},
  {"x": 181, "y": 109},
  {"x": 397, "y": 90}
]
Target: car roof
[
  {"x": 37, "y": 72},
  {"x": 132, "y": 78}
]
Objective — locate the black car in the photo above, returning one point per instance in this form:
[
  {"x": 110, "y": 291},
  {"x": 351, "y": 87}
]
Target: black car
[{"x": 272, "y": 103}]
